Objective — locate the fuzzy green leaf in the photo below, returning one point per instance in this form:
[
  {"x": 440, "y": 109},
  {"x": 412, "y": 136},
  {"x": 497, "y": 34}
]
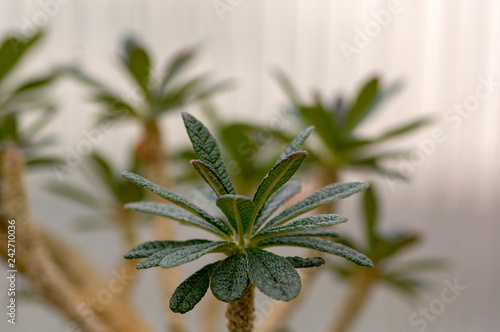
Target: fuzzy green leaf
[
  {"x": 302, "y": 263},
  {"x": 192, "y": 290},
  {"x": 296, "y": 143},
  {"x": 277, "y": 177},
  {"x": 238, "y": 210},
  {"x": 210, "y": 176},
  {"x": 147, "y": 249},
  {"x": 230, "y": 279},
  {"x": 318, "y": 232},
  {"x": 177, "y": 200},
  {"x": 307, "y": 223},
  {"x": 206, "y": 147},
  {"x": 273, "y": 275},
  {"x": 177, "y": 256},
  {"x": 323, "y": 196},
  {"x": 320, "y": 245},
  {"x": 280, "y": 197},
  {"x": 173, "y": 212}
]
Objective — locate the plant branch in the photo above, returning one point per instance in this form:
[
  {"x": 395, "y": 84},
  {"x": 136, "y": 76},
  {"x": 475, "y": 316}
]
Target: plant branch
[{"x": 240, "y": 313}]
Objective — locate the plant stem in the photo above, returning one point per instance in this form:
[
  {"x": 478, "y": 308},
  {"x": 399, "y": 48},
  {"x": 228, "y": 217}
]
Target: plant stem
[
  {"x": 240, "y": 313},
  {"x": 152, "y": 154},
  {"x": 356, "y": 299}
]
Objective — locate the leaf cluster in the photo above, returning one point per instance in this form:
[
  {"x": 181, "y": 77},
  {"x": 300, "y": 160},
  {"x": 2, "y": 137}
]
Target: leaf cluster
[
  {"x": 247, "y": 228},
  {"x": 19, "y": 97},
  {"x": 153, "y": 94},
  {"x": 337, "y": 124},
  {"x": 383, "y": 248}
]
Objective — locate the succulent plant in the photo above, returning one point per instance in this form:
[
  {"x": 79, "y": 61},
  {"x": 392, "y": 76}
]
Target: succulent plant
[
  {"x": 247, "y": 229},
  {"x": 18, "y": 97}
]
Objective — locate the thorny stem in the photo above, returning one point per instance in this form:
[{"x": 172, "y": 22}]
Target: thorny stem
[{"x": 240, "y": 313}]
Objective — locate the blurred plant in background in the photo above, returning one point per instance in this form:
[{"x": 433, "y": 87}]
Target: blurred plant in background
[
  {"x": 61, "y": 273},
  {"x": 383, "y": 247},
  {"x": 63, "y": 276},
  {"x": 337, "y": 125},
  {"x": 21, "y": 96},
  {"x": 152, "y": 95}
]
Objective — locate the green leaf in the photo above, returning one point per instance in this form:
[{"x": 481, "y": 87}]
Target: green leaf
[
  {"x": 176, "y": 199},
  {"x": 307, "y": 223},
  {"x": 323, "y": 196},
  {"x": 35, "y": 84},
  {"x": 401, "y": 130},
  {"x": 137, "y": 61},
  {"x": 149, "y": 248},
  {"x": 192, "y": 290},
  {"x": 365, "y": 97},
  {"x": 12, "y": 51},
  {"x": 277, "y": 177},
  {"x": 273, "y": 275},
  {"x": 175, "y": 66},
  {"x": 324, "y": 123},
  {"x": 371, "y": 215},
  {"x": 320, "y": 245},
  {"x": 302, "y": 263},
  {"x": 210, "y": 176},
  {"x": 376, "y": 102},
  {"x": 230, "y": 279},
  {"x": 280, "y": 197},
  {"x": 213, "y": 89},
  {"x": 296, "y": 143},
  {"x": 238, "y": 210},
  {"x": 206, "y": 147},
  {"x": 177, "y": 256},
  {"x": 175, "y": 213},
  {"x": 318, "y": 232}
]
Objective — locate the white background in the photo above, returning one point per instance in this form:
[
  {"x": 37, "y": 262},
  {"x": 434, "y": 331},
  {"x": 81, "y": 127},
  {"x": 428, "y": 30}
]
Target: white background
[{"x": 440, "y": 50}]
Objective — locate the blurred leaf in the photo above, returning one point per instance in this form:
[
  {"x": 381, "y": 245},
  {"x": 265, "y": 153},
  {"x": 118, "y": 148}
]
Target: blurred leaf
[
  {"x": 287, "y": 86},
  {"x": 175, "y": 66},
  {"x": 363, "y": 100},
  {"x": 12, "y": 50},
  {"x": 371, "y": 215},
  {"x": 325, "y": 125},
  {"x": 409, "y": 127},
  {"x": 136, "y": 60},
  {"x": 77, "y": 195},
  {"x": 377, "y": 101}
]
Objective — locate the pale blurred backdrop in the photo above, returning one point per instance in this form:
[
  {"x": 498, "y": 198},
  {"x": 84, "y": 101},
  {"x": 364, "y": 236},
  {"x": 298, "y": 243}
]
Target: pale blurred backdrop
[{"x": 442, "y": 50}]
